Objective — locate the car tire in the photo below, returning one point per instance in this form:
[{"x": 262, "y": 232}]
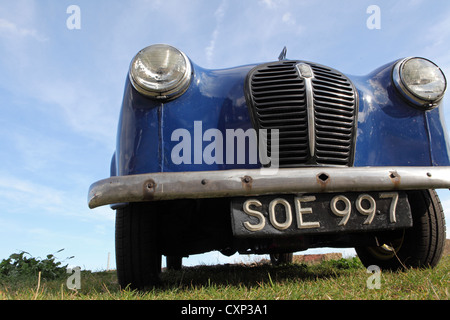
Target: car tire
[
  {"x": 174, "y": 262},
  {"x": 416, "y": 247},
  {"x": 137, "y": 256},
  {"x": 281, "y": 258}
]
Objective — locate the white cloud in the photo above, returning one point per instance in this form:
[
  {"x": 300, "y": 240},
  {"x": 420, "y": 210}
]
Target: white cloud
[
  {"x": 281, "y": 4},
  {"x": 88, "y": 110},
  {"x": 47, "y": 71},
  {"x": 21, "y": 193},
  {"x": 219, "y": 15},
  {"x": 436, "y": 41},
  {"x": 10, "y": 30},
  {"x": 271, "y": 4},
  {"x": 34, "y": 150},
  {"x": 25, "y": 195},
  {"x": 288, "y": 19}
]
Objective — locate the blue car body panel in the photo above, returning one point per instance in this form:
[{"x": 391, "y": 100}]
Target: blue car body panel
[{"x": 390, "y": 132}]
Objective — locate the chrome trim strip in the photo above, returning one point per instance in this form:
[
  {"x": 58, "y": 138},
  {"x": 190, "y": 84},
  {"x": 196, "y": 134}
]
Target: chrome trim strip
[
  {"x": 233, "y": 183},
  {"x": 305, "y": 71},
  {"x": 311, "y": 116}
]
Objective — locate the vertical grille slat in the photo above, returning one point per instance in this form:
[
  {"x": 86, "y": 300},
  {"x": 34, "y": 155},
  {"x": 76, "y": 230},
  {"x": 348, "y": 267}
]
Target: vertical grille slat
[{"x": 277, "y": 99}]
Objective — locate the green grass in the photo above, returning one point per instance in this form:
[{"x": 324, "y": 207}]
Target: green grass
[{"x": 344, "y": 279}]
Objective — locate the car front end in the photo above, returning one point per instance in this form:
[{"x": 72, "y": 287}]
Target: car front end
[{"x": 275, "y": 158}]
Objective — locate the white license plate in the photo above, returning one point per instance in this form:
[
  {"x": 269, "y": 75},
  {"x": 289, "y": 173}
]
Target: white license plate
[{"x": 268, "y": 216}]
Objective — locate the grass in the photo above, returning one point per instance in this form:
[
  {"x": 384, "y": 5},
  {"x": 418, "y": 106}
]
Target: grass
[{"x": 343, "y": 279}]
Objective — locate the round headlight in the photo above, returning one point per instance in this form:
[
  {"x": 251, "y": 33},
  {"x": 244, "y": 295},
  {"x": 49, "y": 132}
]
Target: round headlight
[
  {"x": 161, "y": 71},
  {"x": 421, "y": 81}
]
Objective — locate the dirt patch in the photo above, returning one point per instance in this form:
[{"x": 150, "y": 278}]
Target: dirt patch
[
  {"x": 447, "y": 247},
  {"x": 316, "y": 258}
]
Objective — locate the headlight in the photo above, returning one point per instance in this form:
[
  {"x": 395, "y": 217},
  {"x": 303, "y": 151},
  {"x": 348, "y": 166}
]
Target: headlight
[
  {"x": 420, "y": 81},
  {"x": 161, "y": 71}
]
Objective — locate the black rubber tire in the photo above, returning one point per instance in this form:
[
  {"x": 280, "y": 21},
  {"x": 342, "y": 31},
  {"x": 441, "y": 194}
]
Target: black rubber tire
[
  {"x": 174, "y": 262},
  {"x": 138, "y": 259},
  {"x": 281, "y": 258},
  {"x": 416, "y": 247}
]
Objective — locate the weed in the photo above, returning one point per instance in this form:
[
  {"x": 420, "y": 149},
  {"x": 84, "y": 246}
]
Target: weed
[{"x": 23, "y": 265}]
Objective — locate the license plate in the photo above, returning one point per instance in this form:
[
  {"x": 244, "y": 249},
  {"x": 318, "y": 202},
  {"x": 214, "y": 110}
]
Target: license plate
[{"x": 270, "y": 216}]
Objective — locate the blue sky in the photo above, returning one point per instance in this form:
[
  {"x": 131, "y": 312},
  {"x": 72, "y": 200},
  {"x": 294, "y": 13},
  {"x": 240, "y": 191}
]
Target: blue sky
[{"x": 61, "y": 90}]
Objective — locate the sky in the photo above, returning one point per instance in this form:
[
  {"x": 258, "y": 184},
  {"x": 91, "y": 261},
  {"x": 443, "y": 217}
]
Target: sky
[{"x": 61, "y": 90}]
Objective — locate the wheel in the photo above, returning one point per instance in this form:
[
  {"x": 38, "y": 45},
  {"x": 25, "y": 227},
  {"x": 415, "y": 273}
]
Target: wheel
[
  {"x": 174, "y": 262},
  {"x": 416, "y": 247},
  {"x": 137, "y": 256},
  {"x": 281, "y": 258}
]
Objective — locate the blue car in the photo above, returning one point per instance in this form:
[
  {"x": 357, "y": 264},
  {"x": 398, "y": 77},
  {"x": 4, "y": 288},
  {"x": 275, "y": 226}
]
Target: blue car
[{"x": 275, "y": 158}]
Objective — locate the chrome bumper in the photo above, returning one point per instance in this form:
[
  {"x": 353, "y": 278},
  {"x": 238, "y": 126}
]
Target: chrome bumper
[{"x": 232, "y": 183}]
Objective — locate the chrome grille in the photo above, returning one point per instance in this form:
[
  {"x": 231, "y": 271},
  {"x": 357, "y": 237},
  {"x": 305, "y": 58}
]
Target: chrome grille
[{"x": 276, "y": 96}]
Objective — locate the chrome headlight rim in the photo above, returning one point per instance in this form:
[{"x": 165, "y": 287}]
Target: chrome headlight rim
[
  {"x": 411, "y": 96},
  {"x": 166, "y": 93}
]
